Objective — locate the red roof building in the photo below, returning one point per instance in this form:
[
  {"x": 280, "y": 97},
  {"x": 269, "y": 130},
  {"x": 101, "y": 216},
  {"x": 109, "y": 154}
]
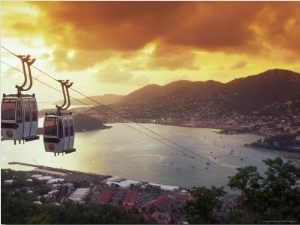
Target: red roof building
[
  {"x": 105, "y": 197},
  {"x": 183, "y": 197},
  {"x": 158, "y": 202},
  {"x": 129, "y": 198}
]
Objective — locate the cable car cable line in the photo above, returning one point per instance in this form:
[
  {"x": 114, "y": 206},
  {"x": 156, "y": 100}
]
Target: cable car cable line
[
  {"x": 92, "y": 107},
  {"x": 193, "y": 153},
  {"x": 100, "y": 111},
  {"x": 182, "y": 147}
]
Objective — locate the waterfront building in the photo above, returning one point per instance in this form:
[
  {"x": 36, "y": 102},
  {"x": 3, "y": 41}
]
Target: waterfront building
[
  {"x": 105, "y": 197},
  {"x": 79, "y": 195},
  {"x": 129, "y": 199},
  {"x": 8, "y": 182}
]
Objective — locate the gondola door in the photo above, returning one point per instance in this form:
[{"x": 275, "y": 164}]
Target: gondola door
[
  {"x": 26, "y": 116},
  {"x": 66, "y": 132},
  {"x": 11, "y": 119},
  {"x": 33, "y": 118},
  {"x": 72, "y": 130}
]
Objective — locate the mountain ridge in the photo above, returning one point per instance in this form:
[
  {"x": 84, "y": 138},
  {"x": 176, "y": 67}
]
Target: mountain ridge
[{"x": 267, "y": 92}]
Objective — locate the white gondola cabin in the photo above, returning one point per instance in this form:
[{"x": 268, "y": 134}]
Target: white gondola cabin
[
  {"x": 19, "y": 118},
  {"x": 59, "y": 133}
]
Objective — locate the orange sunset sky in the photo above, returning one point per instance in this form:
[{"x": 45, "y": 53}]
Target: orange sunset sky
[{"x": 118, "y": 47}]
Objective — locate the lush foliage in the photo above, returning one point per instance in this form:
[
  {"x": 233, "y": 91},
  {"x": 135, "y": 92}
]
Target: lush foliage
[
  {"x": 272, "y": 197},
  {"x": 201, "y": 210},
  {"x": 18, "y": 208},
  {"x": 285, "y": 142}
]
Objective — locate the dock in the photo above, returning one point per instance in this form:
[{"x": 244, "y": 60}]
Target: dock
[{"x": 25, "y": 164}]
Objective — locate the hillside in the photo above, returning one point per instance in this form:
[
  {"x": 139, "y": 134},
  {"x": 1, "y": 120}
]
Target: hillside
[
  {"x": 273, "y": 92},
  {"x": 152, "y": 93},
  {"x": 87, "y": 123},
  {"x": 259, "y": 92},
  {"x": 84, "y": 123}
]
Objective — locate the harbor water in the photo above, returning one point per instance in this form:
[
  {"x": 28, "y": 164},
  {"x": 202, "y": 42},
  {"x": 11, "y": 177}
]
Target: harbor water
[{"x": 178, "y": 156}]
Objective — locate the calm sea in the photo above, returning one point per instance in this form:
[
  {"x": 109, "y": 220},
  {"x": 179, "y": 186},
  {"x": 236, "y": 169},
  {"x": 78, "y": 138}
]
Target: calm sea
[{"x": 192, "y": 157}]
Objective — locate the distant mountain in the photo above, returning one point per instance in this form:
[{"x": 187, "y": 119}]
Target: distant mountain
[
  {"x": 272, "y": 92},
  {"x": 177, "y": 89},
  {"x": 260, "y": 91},
  {"x": 103, "y": 99},
  {"x": 84, "y": 123},
  {"x": 87, "y": 123}
]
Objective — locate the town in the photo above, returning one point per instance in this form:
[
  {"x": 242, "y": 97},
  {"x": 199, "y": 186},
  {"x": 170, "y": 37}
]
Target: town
[
  {"x": 156, "y": 203},
  {"x": 227, "y": 123}
]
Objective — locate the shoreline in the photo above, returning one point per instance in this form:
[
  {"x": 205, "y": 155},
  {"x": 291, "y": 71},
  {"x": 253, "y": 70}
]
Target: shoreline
[{"x": 287, "y": 156}]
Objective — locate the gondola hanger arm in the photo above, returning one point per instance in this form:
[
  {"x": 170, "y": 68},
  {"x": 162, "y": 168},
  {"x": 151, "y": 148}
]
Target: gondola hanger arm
[{"x": 26, "y": 63}]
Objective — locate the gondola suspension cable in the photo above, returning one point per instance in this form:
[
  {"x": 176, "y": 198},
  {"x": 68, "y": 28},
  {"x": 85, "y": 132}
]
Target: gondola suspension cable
[
  {"x": 193, "y": 153},
  {"x": 184, "y": 149},
  {"x": 92, "y": 107},
  {"x": 212, "y": 164},
  {"x": 95, "y": 109}
]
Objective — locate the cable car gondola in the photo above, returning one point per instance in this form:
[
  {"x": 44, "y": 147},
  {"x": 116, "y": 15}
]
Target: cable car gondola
[
  {"x": 19, "y": 112},
  {"x": 59, "y": 127}
]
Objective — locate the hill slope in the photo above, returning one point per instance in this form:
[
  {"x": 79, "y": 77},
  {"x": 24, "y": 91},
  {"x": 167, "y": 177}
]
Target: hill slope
[
  {"x": 87, "y": 123},
  {"x": 267, "y": 93}
]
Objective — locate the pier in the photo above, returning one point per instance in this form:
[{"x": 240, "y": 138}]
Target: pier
[{"x": 24, "y": 164}]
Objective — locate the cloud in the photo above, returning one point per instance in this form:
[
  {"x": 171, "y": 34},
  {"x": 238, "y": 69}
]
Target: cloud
[
  {"x": 73, "y": 60},
  {"x": 10, "y": 73},
  {"x": 140, "y": 80},
  {"x": 97, "y": 30},
  {"x": 129, "y": 26},
  {"x": 239, "y": 65},
  {"x": 172, "y": 57},
  {"x": 112, "y": 74}
]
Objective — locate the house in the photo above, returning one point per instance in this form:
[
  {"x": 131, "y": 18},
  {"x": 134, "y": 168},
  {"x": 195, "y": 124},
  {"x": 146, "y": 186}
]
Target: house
[
  {"x": 53, "y": 193},
  {"x": 183, "y": 197},
  {"x": 129, "y": 199},
  {"x": 79, "y": 195},
  {"x": 8, "y": 182},
  {"x": 105, "y": 197},
  {"x": 161, "y": 203}
]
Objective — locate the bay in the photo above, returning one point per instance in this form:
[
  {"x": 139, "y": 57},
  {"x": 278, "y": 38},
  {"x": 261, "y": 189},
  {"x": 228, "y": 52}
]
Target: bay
[{"x": 178, "y": 156}]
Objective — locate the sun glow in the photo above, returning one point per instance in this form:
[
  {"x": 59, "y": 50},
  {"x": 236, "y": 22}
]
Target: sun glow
[
  {"x": 149, "y": 49},
  {"x": 71, "y": 54}
]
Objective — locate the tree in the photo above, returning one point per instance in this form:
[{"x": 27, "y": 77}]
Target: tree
[
  {"x": 249, "y": 182},
  {"x": 275, "y": 195},
  {"x": 201, "y": 209}
]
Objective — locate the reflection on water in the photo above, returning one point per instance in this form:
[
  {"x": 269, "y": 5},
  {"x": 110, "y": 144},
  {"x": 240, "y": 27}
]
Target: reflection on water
[{"x": 199, "y": 157}]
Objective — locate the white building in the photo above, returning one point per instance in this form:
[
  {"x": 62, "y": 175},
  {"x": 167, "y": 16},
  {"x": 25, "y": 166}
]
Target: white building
[
  {"x": 79, "y": 195},
  {"x": 165, "y": 187},
  {"x": 55, "y": 180},
  {"x": 45, "y": 178},
  {"x": 8, "y": 182}
]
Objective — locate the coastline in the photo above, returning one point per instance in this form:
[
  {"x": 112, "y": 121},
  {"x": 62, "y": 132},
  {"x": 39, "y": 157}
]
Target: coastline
[{"x": 289, "y": 156}]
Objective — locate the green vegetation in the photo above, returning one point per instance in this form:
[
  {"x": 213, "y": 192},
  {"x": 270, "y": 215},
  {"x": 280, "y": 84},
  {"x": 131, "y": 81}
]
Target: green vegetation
[
  {"x": 272, "y": 197},
  {"x": 18, "y": 207},
  {"x": 202, "y": 210},
  {"x": 285, "y": 142},
  {"x": 21, "y": 209}
]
